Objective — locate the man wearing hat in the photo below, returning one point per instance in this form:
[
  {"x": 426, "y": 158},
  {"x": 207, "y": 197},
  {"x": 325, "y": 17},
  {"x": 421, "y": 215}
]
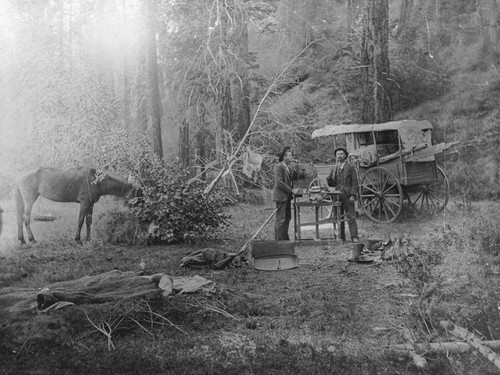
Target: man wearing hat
[
  {"x": 344, "y": 178},
  {"x": 282, "y": 194}
]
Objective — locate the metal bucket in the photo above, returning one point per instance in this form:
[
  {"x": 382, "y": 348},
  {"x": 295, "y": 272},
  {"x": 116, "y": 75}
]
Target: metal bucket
[
  {"x": 357, "y": 250},
  {"x": 274, "y": 255}
]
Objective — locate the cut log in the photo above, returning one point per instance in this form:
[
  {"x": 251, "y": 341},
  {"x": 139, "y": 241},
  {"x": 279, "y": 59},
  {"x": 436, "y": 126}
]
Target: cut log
[
  {"x": 453, "y": 346},
  {"x": 418, "y": 360},
  {"x": 473, "y": 341}
]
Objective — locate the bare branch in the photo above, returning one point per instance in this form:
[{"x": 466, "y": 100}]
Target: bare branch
[{"x": 230, "y": 161}]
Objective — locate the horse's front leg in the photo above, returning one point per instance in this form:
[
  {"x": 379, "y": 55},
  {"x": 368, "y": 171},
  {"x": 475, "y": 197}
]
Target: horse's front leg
[
  {"x": 81, "y": 217},
  {"x": 88, "y": 220}
]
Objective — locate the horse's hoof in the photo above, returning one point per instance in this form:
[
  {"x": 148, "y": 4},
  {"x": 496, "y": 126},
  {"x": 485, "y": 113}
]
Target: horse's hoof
[{"x": 79, "y": 242}]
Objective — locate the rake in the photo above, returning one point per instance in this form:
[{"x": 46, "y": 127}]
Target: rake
[{"x": 224, "y": 262}]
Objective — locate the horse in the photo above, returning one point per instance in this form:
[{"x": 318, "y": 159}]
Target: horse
[{"x": 80, "y": 185}]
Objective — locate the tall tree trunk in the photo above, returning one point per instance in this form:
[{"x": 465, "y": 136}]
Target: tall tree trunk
[
  {"x": 125, "y": 71},
  {"x": 405, "y": 14},
  {"x": 184, "y": 144},
  {"x": 126, "y": 93},
  {"x": 152, "y": 77},
  {"x": 353, "y": 9},
  {"x": 241, "y": 86},
  {"x": 349, "y": 16},
  {"x": 61, "y": 34},
  {"x": 201, "y": 154},
  {"x": 224, "y": 98},
  {"x": 225, "y": 132},
  {"x": 376, "y": 104},
  {"x": 493, "y": 23}
]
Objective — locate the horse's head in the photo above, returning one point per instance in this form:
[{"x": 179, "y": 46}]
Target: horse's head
[
  {"x": 106, "y": 184},
  {"x": 134, "y": 189}
]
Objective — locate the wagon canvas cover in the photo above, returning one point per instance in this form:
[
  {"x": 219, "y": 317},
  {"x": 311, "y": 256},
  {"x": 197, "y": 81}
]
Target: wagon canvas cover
[{"x": 403, "y": 126}]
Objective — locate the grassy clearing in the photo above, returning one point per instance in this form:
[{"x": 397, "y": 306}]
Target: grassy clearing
[{"x": 327, "y": 316}]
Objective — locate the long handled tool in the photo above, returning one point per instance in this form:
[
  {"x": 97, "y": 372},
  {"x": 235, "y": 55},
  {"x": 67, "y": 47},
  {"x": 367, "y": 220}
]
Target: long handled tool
[{"x": 224, "y": 262}]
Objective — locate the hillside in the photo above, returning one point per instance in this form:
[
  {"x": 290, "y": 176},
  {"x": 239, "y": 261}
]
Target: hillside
[{"x": 455, "y": 86}]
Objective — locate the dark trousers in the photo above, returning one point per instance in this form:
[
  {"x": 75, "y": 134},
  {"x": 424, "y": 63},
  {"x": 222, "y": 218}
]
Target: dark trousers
[
  {"x": 350, "y": 213},
  {"x": 283, "y": 217}
]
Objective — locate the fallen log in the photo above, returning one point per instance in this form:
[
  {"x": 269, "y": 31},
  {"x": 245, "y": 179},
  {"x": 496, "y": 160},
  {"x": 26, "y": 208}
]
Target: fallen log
[
  {"x": 472, "y": 340},
  {"x": 418, "y": 360},
  {"x": 446, "y": 346}
]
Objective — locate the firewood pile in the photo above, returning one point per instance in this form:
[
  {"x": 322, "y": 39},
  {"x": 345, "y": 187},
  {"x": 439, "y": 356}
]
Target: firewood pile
[{"x": 394, "y": 247}]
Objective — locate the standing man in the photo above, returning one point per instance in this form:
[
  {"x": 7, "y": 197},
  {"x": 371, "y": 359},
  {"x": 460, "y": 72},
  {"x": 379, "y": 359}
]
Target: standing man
[
  {"x": 282, "y": 194},
  {"x": 344, "y": 178}
]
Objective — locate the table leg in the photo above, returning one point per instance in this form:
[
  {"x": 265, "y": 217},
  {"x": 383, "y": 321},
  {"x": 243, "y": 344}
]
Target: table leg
[
  {"x": 335, "y": 224},
  {"x": 295, "y": 219},
  {"x": 316, "y": 212},
  {"x": 342, "y": 224},
  {"x": 299, "y": 230}
]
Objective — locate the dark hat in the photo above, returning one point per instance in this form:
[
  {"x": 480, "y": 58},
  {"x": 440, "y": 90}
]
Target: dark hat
[{"x": 341, "y": 149}]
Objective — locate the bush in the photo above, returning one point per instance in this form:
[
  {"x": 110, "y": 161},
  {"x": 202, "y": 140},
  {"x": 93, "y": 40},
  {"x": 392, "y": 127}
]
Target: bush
[
  {"x": 484, "y": 231},
  {"x": 419, "y": 267},
  {"x": 173, "y": 209},
  {"x": 468, "y": 177},
  {"x": 119, "y": 227}
]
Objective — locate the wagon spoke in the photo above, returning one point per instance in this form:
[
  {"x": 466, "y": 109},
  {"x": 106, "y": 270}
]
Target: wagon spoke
[
  {"x": 416, "y": 199},
  {"x": 393, "y": 199},
  {"x": 371, "y": 197},
  {"x": 390, "y": 209},
  {"x": 375, "y": 181},
  {"x": 369, "y": 188},
  {"x": 369, "y": 202},
  {"x": 436, "y": 197},
  {"x": 389, "y": 188},
  {"x": 383, "y": 184},
  {"x": 391, "y": 195},
  {"x": 376, "y": 201},
  {"x": 384, "y": 205},
  {"x": 422, "y": 202},
  {"x": 429, "y": 205}
]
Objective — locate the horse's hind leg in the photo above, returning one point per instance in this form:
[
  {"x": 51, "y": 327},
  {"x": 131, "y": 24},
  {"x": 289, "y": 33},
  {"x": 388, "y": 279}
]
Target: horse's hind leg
[
  {"x": 20, "y": 213},
  {"x": 88, "y": 220},
  {"x": 27, "y": 219},
  {"x": 84, "y": 207},
  {"x": 27, "y": 201}
]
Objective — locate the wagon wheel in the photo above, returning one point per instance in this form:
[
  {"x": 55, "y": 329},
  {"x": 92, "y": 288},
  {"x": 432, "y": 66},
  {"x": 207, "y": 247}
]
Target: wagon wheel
[
  {"x": 324, "y": 212},
  {"x": 430, "y": 197},
  {"x": 381, "y": 195}
]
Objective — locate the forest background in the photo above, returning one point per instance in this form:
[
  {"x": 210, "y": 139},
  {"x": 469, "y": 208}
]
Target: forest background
[{"x": 102, "y": 83}]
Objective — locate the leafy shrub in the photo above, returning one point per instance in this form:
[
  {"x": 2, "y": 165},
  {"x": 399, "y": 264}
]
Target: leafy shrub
[
  {"x": 468, "y": 177},
  {"x": 484, "y": 231},
  {"x": 419, "y": 267},
  {"x": 119, "y": 227},
  {"x": 174, "y": 209}
]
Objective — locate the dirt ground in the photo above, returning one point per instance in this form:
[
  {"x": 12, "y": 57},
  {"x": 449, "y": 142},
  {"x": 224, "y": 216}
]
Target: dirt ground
[{"x": 329, "y": 315}]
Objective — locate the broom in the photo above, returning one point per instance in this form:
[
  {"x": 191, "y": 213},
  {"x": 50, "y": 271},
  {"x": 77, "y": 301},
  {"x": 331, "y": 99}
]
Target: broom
[{"x": 224, "y": 262}]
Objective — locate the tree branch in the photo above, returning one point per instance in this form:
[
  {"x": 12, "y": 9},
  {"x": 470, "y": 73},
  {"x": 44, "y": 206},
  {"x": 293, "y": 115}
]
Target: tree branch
[{"x": 233, "y": 157}]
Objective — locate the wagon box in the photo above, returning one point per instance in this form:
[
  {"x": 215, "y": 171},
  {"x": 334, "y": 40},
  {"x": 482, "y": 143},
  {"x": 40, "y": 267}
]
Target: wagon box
[{"x": 396, "y": 163}]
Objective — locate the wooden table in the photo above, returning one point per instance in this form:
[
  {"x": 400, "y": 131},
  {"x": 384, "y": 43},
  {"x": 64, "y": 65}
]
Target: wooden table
[{"x": 330, "y": 199}]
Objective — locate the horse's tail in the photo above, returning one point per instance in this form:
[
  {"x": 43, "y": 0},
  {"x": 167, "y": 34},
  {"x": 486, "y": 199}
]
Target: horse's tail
[{"x": 20, "y": 212}]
